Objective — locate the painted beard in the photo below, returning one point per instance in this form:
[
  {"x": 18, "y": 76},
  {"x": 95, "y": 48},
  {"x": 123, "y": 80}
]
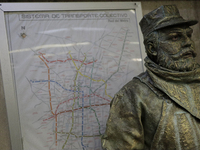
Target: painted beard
[{"x": 177, "y": 63}]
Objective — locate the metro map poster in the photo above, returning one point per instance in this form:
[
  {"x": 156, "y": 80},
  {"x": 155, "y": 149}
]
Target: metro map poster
[{"x": 67, "y": 66}]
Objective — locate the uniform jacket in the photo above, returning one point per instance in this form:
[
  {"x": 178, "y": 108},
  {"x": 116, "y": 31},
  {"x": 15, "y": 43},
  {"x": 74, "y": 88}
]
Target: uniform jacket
[{"x": 157, "y": 110}]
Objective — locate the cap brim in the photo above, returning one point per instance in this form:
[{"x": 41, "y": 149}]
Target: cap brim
[{"x": 168, "y": 24}]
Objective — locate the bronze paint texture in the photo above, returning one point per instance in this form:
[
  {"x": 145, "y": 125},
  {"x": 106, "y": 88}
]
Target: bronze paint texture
[{"x": 160, "y": 108}]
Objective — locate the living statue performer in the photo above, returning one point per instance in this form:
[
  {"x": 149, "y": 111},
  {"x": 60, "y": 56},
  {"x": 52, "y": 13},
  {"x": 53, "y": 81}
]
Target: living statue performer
[{"x": 160, "y": 108}]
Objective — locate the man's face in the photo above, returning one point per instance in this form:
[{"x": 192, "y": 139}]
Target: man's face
[{"x": 176, "y": 50}]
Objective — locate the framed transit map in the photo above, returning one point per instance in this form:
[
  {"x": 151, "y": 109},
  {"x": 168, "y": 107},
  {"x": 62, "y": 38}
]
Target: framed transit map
[{"x": 62, "y": 63}]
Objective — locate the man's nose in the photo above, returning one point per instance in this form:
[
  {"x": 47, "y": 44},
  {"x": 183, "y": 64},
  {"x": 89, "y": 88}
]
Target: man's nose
[{"x": 187, "y": 42}]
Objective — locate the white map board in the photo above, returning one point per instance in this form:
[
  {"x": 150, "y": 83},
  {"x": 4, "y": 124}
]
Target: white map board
[{"x": 67, "y": 66}]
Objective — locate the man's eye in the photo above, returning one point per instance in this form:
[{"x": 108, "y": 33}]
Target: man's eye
[{"x": 175, "y": 38}]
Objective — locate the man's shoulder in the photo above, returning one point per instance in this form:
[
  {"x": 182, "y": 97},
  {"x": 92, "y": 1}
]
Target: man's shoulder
[
  {"x": 137, "y": 93},
  {"x": 140, "y": 85},
  {"x": 140, "y": 80},
  {"x": 137, "y": 83}
]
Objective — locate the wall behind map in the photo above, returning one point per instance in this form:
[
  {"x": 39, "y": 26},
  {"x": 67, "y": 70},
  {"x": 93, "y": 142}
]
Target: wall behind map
[{"x": 188, "y": 9}]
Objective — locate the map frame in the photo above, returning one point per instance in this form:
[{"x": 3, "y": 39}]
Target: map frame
[{"x": 6, "y": 66}]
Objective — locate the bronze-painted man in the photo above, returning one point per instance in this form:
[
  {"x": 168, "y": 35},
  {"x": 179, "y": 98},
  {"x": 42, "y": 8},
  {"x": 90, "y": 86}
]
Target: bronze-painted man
[{"x": 160, "y": 108}]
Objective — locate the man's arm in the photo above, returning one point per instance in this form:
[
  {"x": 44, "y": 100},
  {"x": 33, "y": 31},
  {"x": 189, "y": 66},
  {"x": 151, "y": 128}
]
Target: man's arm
[{"x": 124, "y": 127}]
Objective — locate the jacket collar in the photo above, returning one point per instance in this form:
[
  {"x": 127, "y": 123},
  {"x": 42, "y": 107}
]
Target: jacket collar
[{"x": 182, "y": 87}]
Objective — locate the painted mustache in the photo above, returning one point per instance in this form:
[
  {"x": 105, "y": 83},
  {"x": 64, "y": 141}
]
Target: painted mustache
[{"x": 184, "y": 54}]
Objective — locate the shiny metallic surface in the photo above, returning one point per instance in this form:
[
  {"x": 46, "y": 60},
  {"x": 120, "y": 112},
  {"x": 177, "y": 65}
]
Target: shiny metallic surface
[{"x": 160, "y": 108}]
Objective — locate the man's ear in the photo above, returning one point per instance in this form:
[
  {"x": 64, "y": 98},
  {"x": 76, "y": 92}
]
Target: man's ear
[{"x": 151, "y": 49}]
